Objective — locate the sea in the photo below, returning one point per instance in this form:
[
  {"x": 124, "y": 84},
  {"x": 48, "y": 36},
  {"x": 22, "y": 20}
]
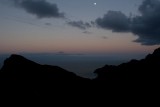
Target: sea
[{"x": 81, "y": 64}]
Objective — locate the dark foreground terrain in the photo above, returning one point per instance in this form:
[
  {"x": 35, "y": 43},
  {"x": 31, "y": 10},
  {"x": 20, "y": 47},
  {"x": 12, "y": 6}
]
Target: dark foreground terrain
[{"x": 24, "y": 80}]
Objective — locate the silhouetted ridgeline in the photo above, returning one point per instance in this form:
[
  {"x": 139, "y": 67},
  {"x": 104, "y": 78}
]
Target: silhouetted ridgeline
[
  {"x": 22, "y": 78},
  {"x": 18, "y": 67},
  {"x": 145, "y": 70}
]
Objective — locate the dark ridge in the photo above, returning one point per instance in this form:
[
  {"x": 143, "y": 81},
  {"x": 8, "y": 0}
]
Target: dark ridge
[
  {"x": 135, "y": 70},
  {"x": 157, "y": 51},
  {"x": 19, "y": 67},
  {"x": 23, "y": 79}
]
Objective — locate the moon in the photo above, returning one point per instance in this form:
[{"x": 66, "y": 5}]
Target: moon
[{"x": 95, "y": 3}]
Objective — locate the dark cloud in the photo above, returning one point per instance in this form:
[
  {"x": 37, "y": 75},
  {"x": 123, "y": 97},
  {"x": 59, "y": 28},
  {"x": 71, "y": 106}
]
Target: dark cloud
[
  {"x": 80, "y": 24},
  {"x": 146, "y": 25},
  {"x": 40, "y": 8},
  {"x": 115, "y": 21}
]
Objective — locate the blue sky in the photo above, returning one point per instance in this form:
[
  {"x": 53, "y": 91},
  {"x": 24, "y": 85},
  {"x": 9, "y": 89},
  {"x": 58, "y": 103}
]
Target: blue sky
[{"x": 24, "y": 30}]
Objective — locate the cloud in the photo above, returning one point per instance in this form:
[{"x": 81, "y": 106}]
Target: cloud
[
  {"x": 40, "y": 8},
  {"x": 80, "y": 24},
  {"x": 87, "y": 32},
  {"x": 146, "y": 25},
  {"x": 115, "y": 21}
]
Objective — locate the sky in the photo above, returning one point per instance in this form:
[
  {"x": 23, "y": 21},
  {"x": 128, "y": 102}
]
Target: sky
[{"x": 79, "y": 26}]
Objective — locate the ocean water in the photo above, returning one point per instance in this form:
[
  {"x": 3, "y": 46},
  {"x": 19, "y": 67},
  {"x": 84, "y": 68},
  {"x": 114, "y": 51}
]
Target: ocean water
[
  {"x": 2, "y": 58},
  {"x": 82, "y": 65}
]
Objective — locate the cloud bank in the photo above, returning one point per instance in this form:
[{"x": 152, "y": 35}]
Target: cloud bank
[
  {"x": 115, "y": 21},
  {"x": 40, "y": 8},
  {"x": 146, "y": 25}
]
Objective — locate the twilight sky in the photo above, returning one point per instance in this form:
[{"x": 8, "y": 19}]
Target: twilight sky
[{"x": 79, "y": 26}]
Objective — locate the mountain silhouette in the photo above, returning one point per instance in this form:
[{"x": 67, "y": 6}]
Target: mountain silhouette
[
  {"x": 22, "y": 79},
  {"x": 17, "y": 66},
  {"x": 144, "y": 70}
]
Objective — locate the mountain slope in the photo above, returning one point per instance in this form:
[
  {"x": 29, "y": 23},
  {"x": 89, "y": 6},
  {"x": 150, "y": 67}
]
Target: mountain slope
[
  {"x": 22, "y": 78},
  {"x": 19, "y": 67},
  {"x": 135, "y": 70}
]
